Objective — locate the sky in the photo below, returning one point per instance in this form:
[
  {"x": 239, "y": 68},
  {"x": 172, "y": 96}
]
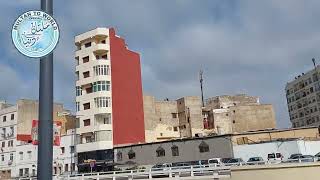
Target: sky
[{"x": 244, "y": 47}]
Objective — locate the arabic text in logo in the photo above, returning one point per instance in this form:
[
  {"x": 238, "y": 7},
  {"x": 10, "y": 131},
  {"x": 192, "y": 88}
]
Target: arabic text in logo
[{"x": 35, "y": 34}]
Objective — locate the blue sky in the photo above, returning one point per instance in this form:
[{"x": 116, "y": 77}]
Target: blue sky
[{"x": 246, "y": 46}]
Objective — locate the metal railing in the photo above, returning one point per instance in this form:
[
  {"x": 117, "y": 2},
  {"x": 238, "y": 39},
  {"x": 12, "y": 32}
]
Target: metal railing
[
  {"x": 200, "y": 171},
  {"x": 206, "y": 171}
]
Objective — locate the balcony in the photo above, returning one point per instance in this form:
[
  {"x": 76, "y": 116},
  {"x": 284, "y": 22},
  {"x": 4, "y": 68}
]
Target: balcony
[{"x": 100, "y": 48}]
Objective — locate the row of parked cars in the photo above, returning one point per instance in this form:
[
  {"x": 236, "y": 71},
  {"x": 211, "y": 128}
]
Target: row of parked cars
[{"x": 276, "y": 157}]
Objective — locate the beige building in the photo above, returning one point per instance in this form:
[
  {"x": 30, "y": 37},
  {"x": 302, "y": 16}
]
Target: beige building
[
  {"x": 235, "y": 114},
  {"x": 171, "y": 119},
  {"x": 303, "y": 97}
]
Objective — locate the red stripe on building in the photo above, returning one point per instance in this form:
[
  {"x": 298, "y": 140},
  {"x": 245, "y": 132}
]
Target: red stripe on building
[{"x": 127, "y": 100}]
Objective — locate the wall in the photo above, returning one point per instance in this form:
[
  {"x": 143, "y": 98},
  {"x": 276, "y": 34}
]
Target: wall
[
  {"x": 262, "y": 149},
  {"x": 28, "y": 111},
  {"x": 252, "y": 117},
  {"x": 188, "y": 151},
  {"x": 294, "y": 171},
  {"x": 127, "y": 101}
]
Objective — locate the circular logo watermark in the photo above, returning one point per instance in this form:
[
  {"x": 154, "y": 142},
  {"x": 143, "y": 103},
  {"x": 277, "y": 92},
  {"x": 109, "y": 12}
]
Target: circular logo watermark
[{"x": 35, "y": 34}]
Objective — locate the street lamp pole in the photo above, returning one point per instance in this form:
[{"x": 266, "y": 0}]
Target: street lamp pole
[{"x": 45, "y": 128}]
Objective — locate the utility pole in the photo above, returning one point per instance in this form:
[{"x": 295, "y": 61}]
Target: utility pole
[
  {"x": 201, "y": 82},
  {"x": 45, "y": 127}
]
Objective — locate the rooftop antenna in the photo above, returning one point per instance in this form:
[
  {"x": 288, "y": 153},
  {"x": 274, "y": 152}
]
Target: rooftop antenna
[
  {"x": 201, "y": 82},
  {"x": 314, "y": 63}
]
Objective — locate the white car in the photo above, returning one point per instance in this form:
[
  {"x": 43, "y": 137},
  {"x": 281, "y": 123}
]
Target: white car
[{"x": 215, "y": 162}]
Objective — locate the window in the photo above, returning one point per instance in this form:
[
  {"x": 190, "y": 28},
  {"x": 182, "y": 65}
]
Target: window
[
  {"x": 66, "y": 167},
  {"x": 77, "y": 106},
  {"x": 105, "y": 56},
  {"x": 77, "y": 60},
  {"x": 4, "y": 118},
  {"x": 86, "y": 106},
  {"x": 89, "y": 139},
  {"x": 10, "y": 143},
  {"x": 88, "y": 44},
  {"x": 77, "y": 75},
  {"x": 11, "y": 157},
  {"x": 78, "y": 91},
  {"x": 26, "y": 171},
  {"x": 2, "y": 157},
  {"x": 21, "y": 155},
  {"x": 89, "y": 90},
  {"x": 160, "y": 152},
  {"x": 103, "y": 42},
  {"x": 20, "y": 172},
  {"x": 11, "y": 131},
  {"x": 174, "y": 115},
  {"x": 12, "y": 117},
  {"x": 119, "y": 156},
  {"x": 86, "y": 74},
  {"x": 29, "y": 155},
  {"x": 86, "y": 122},
  {"x": 161, "y": 134},
  {"x": 73, "y": 166},
  {"x": 72, "y": 149},
  {"x": 175, "y": 150},
  {"x": 3, "y": 144},
  {"x": 203, "y": 147},
  {"x": 85, "y": 59},
  {"x": 101, "y": 86},
  {"x": 131, "y": 154},
  {"x": 175, "y": 128},
  {"x": 63, "y": 149},
  {"x": 102, "y": 102},
  {"x": 101, "y": 70}
]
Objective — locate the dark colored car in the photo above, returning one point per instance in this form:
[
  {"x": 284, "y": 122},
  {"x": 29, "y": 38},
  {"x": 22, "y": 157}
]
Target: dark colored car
[
  {"x": 302, "y": 158},
  {"x": 294, "y": 155},
  {"x": 255, "y": 161},
  {"x": 235, "y": 162}
]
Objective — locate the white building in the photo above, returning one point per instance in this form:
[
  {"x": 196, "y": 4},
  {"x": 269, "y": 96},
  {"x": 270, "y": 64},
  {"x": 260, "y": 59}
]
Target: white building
[
  {"x": 8, "y": 134},
  {"x": 64, "y": 158},
  {"x": 303, "y": 97},
  {"x": 285, "y": 147},
  {"x": 19, "y": 158},
  {"x": 109, "y": 101}
]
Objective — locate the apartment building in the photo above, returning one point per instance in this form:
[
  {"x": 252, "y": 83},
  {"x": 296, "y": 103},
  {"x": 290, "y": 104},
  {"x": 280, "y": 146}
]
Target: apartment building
[
  {"x": 185, "y": 117},
  {"x": 8, "y": 134},
  {"x": 171, "y": 119},
  {"x": 18, "y": 155},
  {"x": 109, "y": 101},
  {"x": 303, "y": 97}
]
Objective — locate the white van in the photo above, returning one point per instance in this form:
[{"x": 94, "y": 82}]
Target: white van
[{"x": 275, "y": 157}]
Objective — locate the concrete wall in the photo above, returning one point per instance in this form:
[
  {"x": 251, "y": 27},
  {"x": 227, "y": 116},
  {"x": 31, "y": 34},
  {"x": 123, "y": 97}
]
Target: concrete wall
[
  {"x": 188, "y": 151},
  {"x": 252, "y": 117},
  {"x": 306, "y": 171},
  {"x": 28, "y": 111}
]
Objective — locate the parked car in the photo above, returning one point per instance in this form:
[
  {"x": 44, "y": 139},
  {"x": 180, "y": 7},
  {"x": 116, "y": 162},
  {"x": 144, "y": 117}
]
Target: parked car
[
  {"x": 255, "y": 161},
  {"x": 275, "y": 157},
  {"x": 160, "y": 167},
  {"x": 215, "y": 162},
  {"x": 235, "y": 162},
  {"x": 302, "y": 158},
  {"x": 294, "y": 155}
]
